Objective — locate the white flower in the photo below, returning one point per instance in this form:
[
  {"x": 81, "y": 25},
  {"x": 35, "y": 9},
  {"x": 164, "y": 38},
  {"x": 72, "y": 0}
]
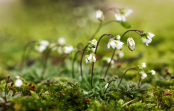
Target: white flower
[
  {"x": 150, "y": 35},
  {"x": 60, "y": 50},
  {"x": 68, "y": 49},
  {"x": 94, "y": 42},
  {"x": 46, "y": 92},
  {"x": 85, "y": 92},
  {"x": 40, "y": 48},
  {"x": 44, "y": 43},
  {"x": 93, "y": 49},
  {"x": 90, "y": 58},
  {"x": 120, "y": 17},
  {"x": 61, "y": 41},
  {"x": 144, "y": 75},
  {"x": 118, "y": 37},
  {"x": 106, "y": 85},
  {"x": 115, "y": 44},
  {"x": 147, "y": 37},
  {"x": 143, "y": 65},
  {"x": 121, "y": 54},
  {"x": 18, "y": 83},
  {"x": 152, "y": 72},
  {"x": 128, "y": 12},
  {"x": 109, "y": 60},
  {"x": 131, "y": 44},
  {"x": 99, "y": 15}
]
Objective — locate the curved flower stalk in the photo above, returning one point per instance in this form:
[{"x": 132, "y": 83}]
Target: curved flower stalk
[
  {"x": 111, "y": 36},
  {"x": 23, "y": 54},
  {"x": 46, "y": 58},
  {"x": 120, "y": 16}
]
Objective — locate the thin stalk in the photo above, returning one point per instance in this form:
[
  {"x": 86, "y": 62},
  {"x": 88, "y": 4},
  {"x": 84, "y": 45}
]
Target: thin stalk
[
  {"x": 131, "y": 30},
  {"x": 139, "y": 82},
  {"x": 127, "y": 103},
  {"x": 108, "y": 86},
  {"x": 111, "y": 36},
  {"x": 125, "y": 73},
  {"x": 109, "y": 63},
  {"x": 74, "y": 61},
  {"x": 81, "y": 60},
  {"x": 99, "y": 27},
  {"x": 6, "y": 92},
  {"x": 46, "y": 59},
  {"x": 23, "y": 55}
]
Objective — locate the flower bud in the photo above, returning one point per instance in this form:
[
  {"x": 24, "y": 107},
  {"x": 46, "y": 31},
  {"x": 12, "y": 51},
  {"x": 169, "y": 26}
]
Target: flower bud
[
  {"x": 131, "y": 44},
  {"x": 99, "y": 15}
]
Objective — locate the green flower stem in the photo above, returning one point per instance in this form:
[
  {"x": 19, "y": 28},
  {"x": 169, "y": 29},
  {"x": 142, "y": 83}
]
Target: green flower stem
[
  {"x": 99, "y": 27},
  {"x": 125, "y": 74},
  {"x": 108, "y": 86},
  {"x": 74, "y": 61},
  {"x": 111, "y": 36},
  {"x": 139, "y": 82},
  {"x": 46, "y": 59},
  {"x": 109, "y": 63},
  {"x": 81, "y": 60},
  {"x": 5, "y": 98},
  {"x": 140, "y": 31},
  {"x": 23, "y": 55}
]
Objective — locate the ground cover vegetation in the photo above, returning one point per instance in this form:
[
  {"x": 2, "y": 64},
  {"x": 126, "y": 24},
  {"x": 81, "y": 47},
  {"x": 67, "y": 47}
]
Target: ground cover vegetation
[{"x": 102, "y": 71}]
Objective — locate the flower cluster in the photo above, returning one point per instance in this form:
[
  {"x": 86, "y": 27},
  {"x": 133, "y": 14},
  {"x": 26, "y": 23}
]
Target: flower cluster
[
  {"x": 42, "y": 45},
  {"x": 115, "y": 43},
  {"x": 147, "y": 37},
  {"x": 142, "y": 72},
  {"x": 91, "y": 49},
  {"x": 121, "y": 14}
]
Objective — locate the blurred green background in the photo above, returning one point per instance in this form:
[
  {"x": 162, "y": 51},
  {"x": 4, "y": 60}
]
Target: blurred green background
[{"x": 25, "y": 20}]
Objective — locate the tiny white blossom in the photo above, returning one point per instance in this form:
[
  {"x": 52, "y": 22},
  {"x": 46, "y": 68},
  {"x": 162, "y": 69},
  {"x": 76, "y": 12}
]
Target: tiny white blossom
[
  {"x": 115, "y": 44},
  {"x": 109, "y": 60},
  {"x": 128, "y": 12},
  {"x": 44, "y": 43},
  {"x": 118, "y": 37},
  {"x": 18, "y": 83},
  {"x": 90, "y": 58},
  {"x": 94, "y": 42},
  {"x": 93, "y": 49},
  {"x": 106, "y": 85},
  {"x": 99, "y": 15},
  {"x": 150, "y": 35},
  {"x": 46, "y": 92},
  {"x": 152, "y": 72},
  {"x": 85, "y": 92},
  {"x": 143, "y": 65},
  {"x": 40, "y": 48},
  {"x": 131, "y": 44},
  {"x": 144, "y": 75},
  {"x": 120, "y": 17},
  {"x": 147, "y": 38},
  {"x": 61, "y": 41},
  {"x": 68, "y": 49}
]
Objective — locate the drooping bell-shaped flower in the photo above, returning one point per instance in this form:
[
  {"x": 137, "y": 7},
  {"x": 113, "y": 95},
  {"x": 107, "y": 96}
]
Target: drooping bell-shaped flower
[
  {"x": 99, "y": 15},
  {"x": 115, "y": 44},
  {"x": 131, "y": 44}
]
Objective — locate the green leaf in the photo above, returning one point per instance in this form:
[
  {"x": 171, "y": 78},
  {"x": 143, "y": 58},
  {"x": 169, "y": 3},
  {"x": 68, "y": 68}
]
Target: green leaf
[{"x": 126, "y": 25}]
